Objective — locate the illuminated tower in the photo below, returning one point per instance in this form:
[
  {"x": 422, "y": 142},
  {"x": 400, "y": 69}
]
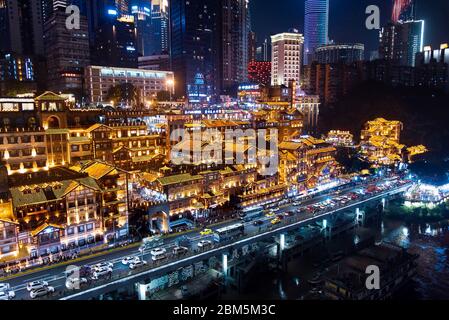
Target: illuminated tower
[
  {"x": 403, "y": 10},
  {"x": 160, "y": 20},
  {"x": 316, "y": 27}
]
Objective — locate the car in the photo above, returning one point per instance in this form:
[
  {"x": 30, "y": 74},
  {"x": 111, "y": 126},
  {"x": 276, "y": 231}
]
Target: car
[
  {"x": 258, "y": 223},
  {"x": 101, "y": 273},
  {"x": 7, "y": 295},
  {"x": 75, "y": 283},
  {"x": 180, "y": 251},
  {"x": 289, "y": 213},
  {"x": 126, "y": 261},
  {"x": 204, "y": 244},
  {"x": 41, "y": 292},
  {"x": 275, "y": 221},
  {"x": 36, "y": 285},
  {"x": 270, "y": 215},
  {"x": 4, "y": 287},
  {"x": 206, "y": 232},
  {"x": 102, "y": 265},
  {"x": 158, "y": 251},
  {"x": 280, "y": 216},
  {"x": 137, "y": 264}
]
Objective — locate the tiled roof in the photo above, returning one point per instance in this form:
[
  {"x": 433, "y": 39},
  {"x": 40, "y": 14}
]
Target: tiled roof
[
  {"x": 180, "y": 178},
  {"x": 6, "y": 212}
]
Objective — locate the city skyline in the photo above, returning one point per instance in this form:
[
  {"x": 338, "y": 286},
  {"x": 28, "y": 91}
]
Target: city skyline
[
  {"x": 289, "y": 14},
  {"x": 224, "y": 150}
]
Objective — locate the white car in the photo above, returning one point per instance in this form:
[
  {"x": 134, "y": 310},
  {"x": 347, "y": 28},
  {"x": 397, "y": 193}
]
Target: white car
[
  {"x": 74, "y": 283},
  {"x": 102, "y": 265},
  {"x": 137, "y": 264},
  {"x": 204, "y": 244},
  {"x": 7, "y": 295},
  {"x": 41, "y": 292},
  {"x": 158, "y": 251},
  {"x": 179, "y": 251},
  {"x": 36, "y": 285},
  {"x": 101, "y": 273},
  {"x": 4, "y": 287},
  {"x": 126, "y": 261}
]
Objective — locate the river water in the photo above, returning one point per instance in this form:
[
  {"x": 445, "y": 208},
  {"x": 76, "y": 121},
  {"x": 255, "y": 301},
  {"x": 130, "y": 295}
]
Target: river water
[{"x": 430, "y": 241}]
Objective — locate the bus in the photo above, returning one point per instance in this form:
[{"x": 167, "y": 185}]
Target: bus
[
  {"x": 151, "y": 242},
  {"x": 250, "y": 213},
  {"x": 229, "y": 233}
]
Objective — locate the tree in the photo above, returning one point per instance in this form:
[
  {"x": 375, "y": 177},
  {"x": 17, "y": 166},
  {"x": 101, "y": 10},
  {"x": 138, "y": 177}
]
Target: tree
[
  {"x": 163, "y": 96},
  {"x": 13, "y": 88},
  {"x": 123, "y": 93}
]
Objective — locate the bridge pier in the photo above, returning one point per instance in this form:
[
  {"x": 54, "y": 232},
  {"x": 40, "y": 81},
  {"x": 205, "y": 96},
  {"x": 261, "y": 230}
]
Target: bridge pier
[
  {"x": 360, "y": 217},
  {"x": 224, "y": 263}
]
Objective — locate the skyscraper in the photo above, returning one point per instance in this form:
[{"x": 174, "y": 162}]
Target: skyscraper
[
  {"x": 263, "y": 52},
  {"x": 21, "y": 26},
  {"x": 141, "y": 10},
  {"x": 286, "y": 52},
  {"x": 316, "y": 26},
  {"x": 67, "y": 53},
  {"x": 196, "y": 48},
  {"x": 115, "y": 44},
  {"x": 160, "y": 21},
  {"x": 340, "y": 53},
  {"x": 401, "y": 41},
  {"x": 403, "y": 10},
  {"x": 236, "y": 28}
]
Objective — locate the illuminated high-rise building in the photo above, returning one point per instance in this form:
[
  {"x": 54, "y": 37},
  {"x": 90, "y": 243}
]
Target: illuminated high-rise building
[
  {"x": 195, "y": 48},
  {"x": 401, "y": 41},
  {"x": 286, "y": 57},
  {"x": 236, "y": 29},
  {"x": 403, "y": 10},
  {"x": 316, "y": 27},
  {"x": 160, "y": 21},
  {"x": 141, "y": 10},
  {"x": 21, "y": 27}
]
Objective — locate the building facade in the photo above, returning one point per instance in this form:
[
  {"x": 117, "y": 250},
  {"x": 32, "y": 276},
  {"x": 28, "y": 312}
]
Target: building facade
[
  {"x": 259, "y": 72},
  {"x": 116, "y": 42},
  {"x": 380, "y": 142},
  {"x": 286, "y": 58},
  {"x": 21, "y": 27},
  {"x": 148, "y": 83},
  {"x": 196, "y": 48},
  {"x": 336, "y": 53},
  {"x": 316, "y": 27},
  {"x": 236, "y": 30},
  {"x": 401, "y": 41},
  {"x": 67, "y": 53}
]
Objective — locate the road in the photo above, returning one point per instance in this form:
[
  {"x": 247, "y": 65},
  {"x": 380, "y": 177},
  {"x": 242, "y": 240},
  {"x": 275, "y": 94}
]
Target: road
[{"x": 56, "y": 276}]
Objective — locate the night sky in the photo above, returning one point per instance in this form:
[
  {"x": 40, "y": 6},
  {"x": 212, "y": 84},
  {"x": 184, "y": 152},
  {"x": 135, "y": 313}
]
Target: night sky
[{"x": 347, "y": 19}]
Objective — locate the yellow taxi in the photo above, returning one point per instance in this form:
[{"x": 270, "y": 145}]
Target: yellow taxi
[
  {"x": 275, "y": 221},
  {"x": 270, "y": 215},
  {"x": 206, "y": 232}
]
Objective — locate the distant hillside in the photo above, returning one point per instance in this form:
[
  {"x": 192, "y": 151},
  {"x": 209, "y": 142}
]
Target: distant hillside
[{"x": 425, "y": 114}]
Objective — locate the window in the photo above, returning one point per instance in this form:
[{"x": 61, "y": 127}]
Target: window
[
  {"x": 81, "y": 229},
  {"x": 90, "y": 227},
  {"x": 70, "y": 231},
  {"x": 27, "y": 106}
]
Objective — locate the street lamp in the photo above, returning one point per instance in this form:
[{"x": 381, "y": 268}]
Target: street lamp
[{"x": 170, "y": 84}]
